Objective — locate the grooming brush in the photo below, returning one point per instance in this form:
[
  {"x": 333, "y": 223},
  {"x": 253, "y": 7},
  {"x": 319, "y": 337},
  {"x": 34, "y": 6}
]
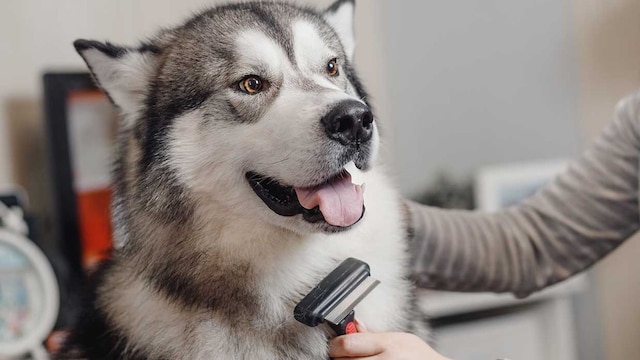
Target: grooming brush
[{"x": 334, "y": 298}]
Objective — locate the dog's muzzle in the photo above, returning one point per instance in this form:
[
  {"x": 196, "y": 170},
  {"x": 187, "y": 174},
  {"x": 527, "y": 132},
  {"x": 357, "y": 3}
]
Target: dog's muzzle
[{"x": 332, "y": 200}]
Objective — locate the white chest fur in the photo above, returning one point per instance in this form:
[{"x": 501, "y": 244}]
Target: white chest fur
[{"x": 287, "y": 270}]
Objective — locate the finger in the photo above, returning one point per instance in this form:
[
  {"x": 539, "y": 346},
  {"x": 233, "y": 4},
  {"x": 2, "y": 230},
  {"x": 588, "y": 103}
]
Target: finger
[
  {"x": 354, "y": 345},
  {"x": 360, "y": 326}
]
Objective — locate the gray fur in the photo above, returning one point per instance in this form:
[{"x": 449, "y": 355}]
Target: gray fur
[{"x": 176, "y": 270}]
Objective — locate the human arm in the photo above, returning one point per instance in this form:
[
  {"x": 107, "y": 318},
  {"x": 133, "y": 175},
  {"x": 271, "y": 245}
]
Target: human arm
[{"x": 577, "y": 219}]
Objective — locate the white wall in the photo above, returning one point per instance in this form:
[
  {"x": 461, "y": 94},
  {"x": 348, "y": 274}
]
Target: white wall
[
  {"x": 480, "y": 82},
  {"x": 37, "y": 35}
]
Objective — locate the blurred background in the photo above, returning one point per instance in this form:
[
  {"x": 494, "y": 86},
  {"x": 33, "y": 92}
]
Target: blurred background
[{"x": 481, "y": 103}]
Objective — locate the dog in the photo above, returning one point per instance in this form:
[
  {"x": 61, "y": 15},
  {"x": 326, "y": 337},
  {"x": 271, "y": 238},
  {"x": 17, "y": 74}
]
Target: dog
[{"x": 246, "y": 170}]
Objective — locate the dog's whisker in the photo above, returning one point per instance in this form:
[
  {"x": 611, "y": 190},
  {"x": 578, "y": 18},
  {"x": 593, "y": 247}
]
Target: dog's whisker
[
  {"x": 280, "y": 161},
  {"x": 287, "y": 157}
]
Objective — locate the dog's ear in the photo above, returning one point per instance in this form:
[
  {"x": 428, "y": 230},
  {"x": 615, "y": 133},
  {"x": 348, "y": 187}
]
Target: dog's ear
[
  {"x": 123, "y": 73},
  {"x": 340, "y": 16}
]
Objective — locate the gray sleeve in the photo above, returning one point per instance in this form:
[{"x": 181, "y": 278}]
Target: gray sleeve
[{"x": 580, "y": 217}]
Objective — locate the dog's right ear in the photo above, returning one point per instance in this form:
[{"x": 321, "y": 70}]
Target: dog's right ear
[{"x": 123, "y": 73}]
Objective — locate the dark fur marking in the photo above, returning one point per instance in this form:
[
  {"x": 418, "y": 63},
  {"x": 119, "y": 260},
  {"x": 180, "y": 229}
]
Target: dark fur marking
[
  {"x": 338, "y": 4},
  {"x": 257, "y": 9},
  {"x": 106, "y": 48},
  {"x": 223, "y": 291},
  {"x": 112, "y": 50},
  {"x": 286, "y": 42},
  {"x": 355, "y": 81},
  {"x": 94, "y": 338},
  {"x": 160, "y": 195},
  {"x": 165, "y": 102},
  {"x": 234, "y": 111},
  {"x": 149, "y": 47},
  {"x": 408, "y": 223}
]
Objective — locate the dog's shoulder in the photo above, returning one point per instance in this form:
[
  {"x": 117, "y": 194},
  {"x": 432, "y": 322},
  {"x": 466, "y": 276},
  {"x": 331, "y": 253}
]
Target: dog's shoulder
[{"x": 94, "y": 337}]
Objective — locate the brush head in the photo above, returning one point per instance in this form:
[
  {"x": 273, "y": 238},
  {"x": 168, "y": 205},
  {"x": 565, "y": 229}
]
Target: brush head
[{"x": 337, "y": 294}]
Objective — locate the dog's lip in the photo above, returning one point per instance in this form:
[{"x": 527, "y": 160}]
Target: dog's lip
[{"x": 282, "y": 200}]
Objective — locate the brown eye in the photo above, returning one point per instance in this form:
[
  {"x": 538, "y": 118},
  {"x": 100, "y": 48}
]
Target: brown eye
[
  {"x": 332, "y": 67},
  {"x": 251, "y": 84}
]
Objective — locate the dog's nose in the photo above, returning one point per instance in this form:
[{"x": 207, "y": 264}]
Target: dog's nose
[{"x": 350, "y": 122}]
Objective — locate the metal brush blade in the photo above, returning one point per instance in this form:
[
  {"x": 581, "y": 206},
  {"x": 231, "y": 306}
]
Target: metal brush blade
[{"x": 354, "y": 298}]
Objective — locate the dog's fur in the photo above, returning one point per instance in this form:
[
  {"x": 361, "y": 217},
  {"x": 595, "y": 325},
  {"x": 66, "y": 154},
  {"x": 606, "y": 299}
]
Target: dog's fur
[{"x": 203, "y": 268}]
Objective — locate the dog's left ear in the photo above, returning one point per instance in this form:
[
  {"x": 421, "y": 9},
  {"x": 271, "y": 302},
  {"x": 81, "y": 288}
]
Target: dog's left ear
[
  {"x": 121, "y": 72},
  {"x": 340, "y": 16}
]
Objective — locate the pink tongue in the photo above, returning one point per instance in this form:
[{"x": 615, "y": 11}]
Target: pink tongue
[{"x": 340, "y": 200}]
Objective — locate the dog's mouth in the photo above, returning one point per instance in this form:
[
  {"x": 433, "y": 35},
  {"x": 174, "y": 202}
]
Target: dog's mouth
[{"x": 337, "y": 201}]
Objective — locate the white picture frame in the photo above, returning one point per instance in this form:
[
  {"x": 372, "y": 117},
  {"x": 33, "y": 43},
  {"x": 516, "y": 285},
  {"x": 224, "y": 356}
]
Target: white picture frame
[{"x": 500, "y": 186}]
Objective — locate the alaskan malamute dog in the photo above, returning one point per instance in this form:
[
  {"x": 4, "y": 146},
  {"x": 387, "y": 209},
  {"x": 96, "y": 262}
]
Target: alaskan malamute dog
[{"x": 245, "y": 146}]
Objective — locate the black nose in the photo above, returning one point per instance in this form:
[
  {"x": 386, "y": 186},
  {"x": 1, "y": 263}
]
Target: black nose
[{"x": 350, "y": 122}]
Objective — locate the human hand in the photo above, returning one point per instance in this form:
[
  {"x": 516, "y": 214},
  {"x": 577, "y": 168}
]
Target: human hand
[{"x": 381, "y": 346}]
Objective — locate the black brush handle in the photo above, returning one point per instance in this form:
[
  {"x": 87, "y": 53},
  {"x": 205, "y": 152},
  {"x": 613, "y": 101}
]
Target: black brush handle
[{"x": 331, "y": 291}]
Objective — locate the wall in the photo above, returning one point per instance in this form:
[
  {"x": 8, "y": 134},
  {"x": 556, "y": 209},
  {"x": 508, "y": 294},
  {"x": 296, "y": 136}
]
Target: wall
[
  {"x": 608, "y": 34},
  {"x": 36, "y": 35},
  {"x": 475, "y": 83}
]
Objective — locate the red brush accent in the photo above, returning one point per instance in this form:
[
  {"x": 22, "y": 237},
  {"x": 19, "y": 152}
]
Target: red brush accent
[{"x": 351, "y": 328}]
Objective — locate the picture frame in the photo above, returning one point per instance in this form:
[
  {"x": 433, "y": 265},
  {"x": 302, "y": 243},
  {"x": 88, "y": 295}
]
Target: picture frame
[
  {"x": 80, "y": 130},
  {"x": 57, "y": 88},
  {"x": 500, "y": 186}
]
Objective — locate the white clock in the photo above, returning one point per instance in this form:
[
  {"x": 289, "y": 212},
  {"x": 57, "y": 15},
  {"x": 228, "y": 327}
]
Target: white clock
[{"x": 29, "y": 297}]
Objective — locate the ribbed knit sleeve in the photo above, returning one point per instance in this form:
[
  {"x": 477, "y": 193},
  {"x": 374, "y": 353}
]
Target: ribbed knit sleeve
[{"x": 581, "y": 216}]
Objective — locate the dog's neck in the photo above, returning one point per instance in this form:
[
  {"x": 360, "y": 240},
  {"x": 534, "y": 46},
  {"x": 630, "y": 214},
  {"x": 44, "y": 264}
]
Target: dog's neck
[
  {"x": 230, "y": 272},
  {"x": 166, "y": 329},
  {"x": 212, "y": 258}
]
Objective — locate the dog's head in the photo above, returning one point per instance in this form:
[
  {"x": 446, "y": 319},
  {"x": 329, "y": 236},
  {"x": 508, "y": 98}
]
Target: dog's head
[{"x": 254, "y": 107}]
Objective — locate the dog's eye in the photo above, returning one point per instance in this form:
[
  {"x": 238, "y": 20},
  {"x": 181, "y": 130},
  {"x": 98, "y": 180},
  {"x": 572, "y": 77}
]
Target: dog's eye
[
  {"x": 251, "y": 84},
  {"x": 332, "y": 67}
]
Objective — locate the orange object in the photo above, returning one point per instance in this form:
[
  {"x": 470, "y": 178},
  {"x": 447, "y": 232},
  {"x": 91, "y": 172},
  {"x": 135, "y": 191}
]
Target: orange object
[
  {"x": 95, "y": 226},
  {"x": 55, "y": 340}
]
